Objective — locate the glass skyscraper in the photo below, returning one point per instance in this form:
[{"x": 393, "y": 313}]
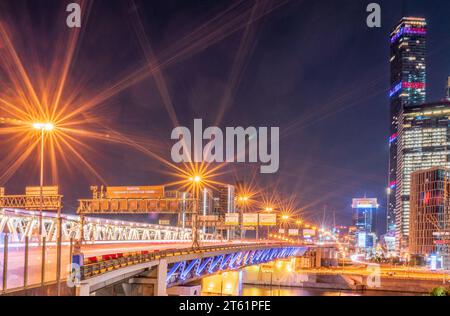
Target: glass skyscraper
[
  {"x": 423, "y": 143},
  {"x": 363, "y": 214},
  {"x": 430, "y": 214},
  {"x": 363, "y": 219},
  {"x": 408, "y": 90}
]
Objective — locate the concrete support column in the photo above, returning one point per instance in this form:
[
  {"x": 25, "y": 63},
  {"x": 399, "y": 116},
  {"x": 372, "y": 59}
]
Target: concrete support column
[
  {"x": 83, "y": 290},
  {"x": 194, "y": 290},
  {"x": 161, "y": 277}
]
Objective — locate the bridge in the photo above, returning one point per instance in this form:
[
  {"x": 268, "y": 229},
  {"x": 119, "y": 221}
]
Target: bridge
[
  {"x": 27, "y": 260},
  {"x": 116, "y": 251},
  {"x": 158, "y": 271}
]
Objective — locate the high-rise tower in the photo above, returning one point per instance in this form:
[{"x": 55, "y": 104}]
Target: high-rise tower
[
  {"x": 408, "y": 89},
  {"x": 448, "y": 89}
]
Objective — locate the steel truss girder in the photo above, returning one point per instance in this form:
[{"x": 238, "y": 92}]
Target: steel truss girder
[
  {"x": 184, "y": 271},
  {"x": 20, "y": 224},
  {"x": 30, "y": 202},
  {"x": 136, "y": 206}
]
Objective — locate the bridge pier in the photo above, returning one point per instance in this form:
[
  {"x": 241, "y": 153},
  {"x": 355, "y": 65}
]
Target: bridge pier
[
  {"x": 161, "y": 277},
  {"x": 139, "y": 287},
  {"x": 188, "y": 290},
  {"x": 154, "y": 284},
  {"x": 83, "y": 289}
]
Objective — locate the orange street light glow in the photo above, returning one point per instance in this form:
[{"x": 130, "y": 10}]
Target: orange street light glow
[
  {"x": 195, "y": 179},
  {"x": 44, "y": 126}
]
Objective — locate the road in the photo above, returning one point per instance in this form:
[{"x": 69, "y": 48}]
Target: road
[
  {"x": 16, "y": 258},
  {"x": 385, "y": 272}
]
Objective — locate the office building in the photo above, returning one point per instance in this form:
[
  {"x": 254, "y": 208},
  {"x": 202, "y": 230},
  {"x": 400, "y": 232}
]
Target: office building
[
  {"x": 447, "y": 90},
  {"x": 408, "y": 89},
  {"x": 423, "y": 143},
  {"x": 429, "y": 233},
  {"x": 364, "y": 210}
]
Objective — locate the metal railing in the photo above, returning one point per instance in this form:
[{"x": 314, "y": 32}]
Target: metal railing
[
  {"x": 31, "y": 264},
  {"x": 21, "y": 223},
  {"x": 118, "y": 261}
]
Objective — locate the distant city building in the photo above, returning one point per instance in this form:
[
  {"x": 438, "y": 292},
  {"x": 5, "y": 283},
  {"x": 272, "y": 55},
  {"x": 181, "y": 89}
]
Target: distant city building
[
  {"x": 388, "y": 242},
  {"x": 207, "y": 206},
  {"x": 363, "y": 218},
  {"x": 224, "y": 202},
  {"x": 423, "y": 142},
  {"x": 341, "y": 232},
  {"x": 206, "y": 202},
  {"x": 429, "y": 234},
  {"x": 226, "y": 195},
  {"x": 363, "y": 214},
  {"x": 408, "y": 89},
  {"x": 447, "y": 94}
]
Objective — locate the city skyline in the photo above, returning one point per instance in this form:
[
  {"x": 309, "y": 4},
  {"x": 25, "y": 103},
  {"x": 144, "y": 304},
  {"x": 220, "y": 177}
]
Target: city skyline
[
  {"x": 330, "y": 114},
  {"x": 232, "y": 148}
]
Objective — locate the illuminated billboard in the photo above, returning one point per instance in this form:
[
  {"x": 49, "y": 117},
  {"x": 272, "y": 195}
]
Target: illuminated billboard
[
  {"x": 293, "y": 232},
  {"x": 232, "y": 219},
  {"x": 135, "y": 192},
  {"x": 46, "y": 191},
  {"x": 308, "y": 233},
  {"x": 267, "y": 219},
  {"x": 250, "y": 219},
  {"x": 365, "y": 203}
]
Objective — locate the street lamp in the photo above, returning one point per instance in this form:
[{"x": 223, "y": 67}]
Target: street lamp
[
  {"x": 284, "y": 222},
  {"x": 299, "y": 224},
  {"x": 42, "y": 128},
  {"x": 243, "y": 199},
  {"x": 196, "y": 181},
  {"x": 269, "y": 209}
]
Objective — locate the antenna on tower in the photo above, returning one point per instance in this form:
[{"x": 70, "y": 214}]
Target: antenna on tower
[{"x": 334, "y": 219}]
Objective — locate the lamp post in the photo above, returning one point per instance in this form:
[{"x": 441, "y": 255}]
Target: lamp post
[
  {"x": 268, "y": 210},
  {"x": 42, "y": 128},
  {"x": 285, "y": 218},
  {"x": 299, "y": 224},
  {"x": 196, "y": 181},
  {"x": 242, "y": 204}
]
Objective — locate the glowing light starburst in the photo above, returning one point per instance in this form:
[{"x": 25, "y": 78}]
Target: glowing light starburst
[
  {"x": 40, "y": 91},
  {"x": 38, "y": 96}
]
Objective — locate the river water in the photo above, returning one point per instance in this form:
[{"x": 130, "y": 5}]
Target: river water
[{"x": 257, "y": 290}]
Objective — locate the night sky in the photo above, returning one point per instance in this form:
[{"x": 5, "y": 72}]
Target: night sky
[{"x": 312, "y": 68}]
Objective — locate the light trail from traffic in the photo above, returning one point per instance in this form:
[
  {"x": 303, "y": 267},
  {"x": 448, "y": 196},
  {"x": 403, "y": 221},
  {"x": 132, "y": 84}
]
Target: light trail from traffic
[{"x": 15, "y": 276}]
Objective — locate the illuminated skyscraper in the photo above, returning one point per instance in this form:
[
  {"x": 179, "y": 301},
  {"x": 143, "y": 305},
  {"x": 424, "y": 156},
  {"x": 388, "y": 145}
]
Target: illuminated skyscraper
[
  {"x": 448, "y": 89},
  {"x": 363, "y": 214},
  {"x": 408, "y": 89},
  {"x": 423, "y": 143},
  {"x": 363, "y": 219},
  {"x": 430, "y": 215}
]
